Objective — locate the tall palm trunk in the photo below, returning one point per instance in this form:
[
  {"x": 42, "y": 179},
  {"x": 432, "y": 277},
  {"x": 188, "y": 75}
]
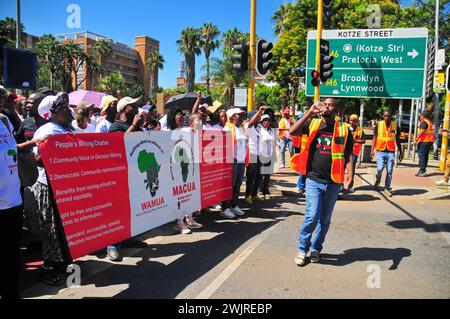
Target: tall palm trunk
[
  {"x": 207, "y": 74},
  {"x": 190, "y": 72}
]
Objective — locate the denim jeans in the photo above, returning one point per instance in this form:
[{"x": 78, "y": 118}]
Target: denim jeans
[
  {"x": 385, "y": 159},
  {"x": 320, "y": 201},
  {"x": 283, "y": 143},
  {"x": 301, "y": 182},
  {"x": 424, "y": 151}
]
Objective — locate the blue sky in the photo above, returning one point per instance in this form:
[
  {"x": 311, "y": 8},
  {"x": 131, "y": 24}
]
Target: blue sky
[{"x": 159, "y": 19}]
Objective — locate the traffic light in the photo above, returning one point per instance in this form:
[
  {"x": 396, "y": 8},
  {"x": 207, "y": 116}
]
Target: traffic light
[
  {"x": 325, "y": 61},
  {"x": 326, "y": 3},
  {"x": 315, "y": 78},
  {"x": 240, "y": 60},
  {"x": 263, "y": 56}
]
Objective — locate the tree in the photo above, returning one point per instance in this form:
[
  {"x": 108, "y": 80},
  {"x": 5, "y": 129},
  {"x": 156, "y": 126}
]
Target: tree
[
  {"x": 136, "y": 91},
  {"x": 210, "y": 33},
  {"x": 155, "y": 62},
  {"x": 111, "y": 83},
  {"x": 75, "y": 60},
  {"x": 8, "y": 32},
  {"x": 50, "y": 56},
  {"x": 189, "y": 44}
]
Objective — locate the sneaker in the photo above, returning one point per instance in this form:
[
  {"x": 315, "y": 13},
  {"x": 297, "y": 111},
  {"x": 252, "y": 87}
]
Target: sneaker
[
  {"x": 182, "y": 228},
  {"x": 421, "y": 174},
  {"x": 377, "y": 186},
  {"x": 282, "y": 166},
  {"x": 113, "y": 253},
  {"x": 315, "y": 256},
  {"x": 351, "y": 190},
  {"x": 387, "y": 192},
  {"x": 248, "y": 200},
  {"x": 227, "y": 213},
  {"x": 442, "y": 183},
  {"x": 218, "y": 207},
  {"x": 300, "y": 259},
  {"x": 237, "y": 211},
  {"x": 191, "y": 223},
  {"x": 257, "y": 198}
]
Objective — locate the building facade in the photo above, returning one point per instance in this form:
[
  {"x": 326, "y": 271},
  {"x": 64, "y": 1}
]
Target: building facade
[{"x": 130, "y": 62}]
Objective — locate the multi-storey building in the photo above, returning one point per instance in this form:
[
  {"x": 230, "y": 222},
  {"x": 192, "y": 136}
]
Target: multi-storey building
[{"x": 130, "y": 62}]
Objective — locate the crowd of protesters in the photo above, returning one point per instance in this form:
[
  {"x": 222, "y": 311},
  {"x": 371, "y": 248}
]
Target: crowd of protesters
[
  {"x": 26, "y": 202},
  {"x": 324, "y": 148}
]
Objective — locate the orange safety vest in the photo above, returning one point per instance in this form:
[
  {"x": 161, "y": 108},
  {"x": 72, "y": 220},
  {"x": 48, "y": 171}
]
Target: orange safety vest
[
  {"x": 357, "y": 133},
  {"x": 299, "y": 162},
  {"x": 428, "y": 136},
  {"x": 386, "y": 137},
  {"x": 304, "y": 141},
  {"x": 282, "y": 125}
]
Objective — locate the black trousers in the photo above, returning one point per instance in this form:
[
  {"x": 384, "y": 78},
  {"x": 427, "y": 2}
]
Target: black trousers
[
  {"x": 253, "y": 181},
  {"x": 10, "y": 230},
  {"x": 424, "y": 151}
]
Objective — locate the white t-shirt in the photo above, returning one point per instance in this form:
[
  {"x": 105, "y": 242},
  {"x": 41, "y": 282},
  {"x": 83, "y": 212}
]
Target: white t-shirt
[
  {"x": 9, "y": 173},
  {"x": 163, "y": 122},
  {"x": 240, "y": 150},
  {"x": 89, "y": 128},
  {"x": 45, "y": 130},
  {"x": 103, "y": 126},
  {"x": 267, "y": 142},
  {"x": 218, "y": 127},
  {"x": 253, "y": 134}
]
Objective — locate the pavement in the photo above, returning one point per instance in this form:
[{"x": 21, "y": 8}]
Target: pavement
[{"x": 377, "y": 247}]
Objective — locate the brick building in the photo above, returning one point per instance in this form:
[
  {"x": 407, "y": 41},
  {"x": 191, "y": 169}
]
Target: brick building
[{"x": 130, "y": 62}]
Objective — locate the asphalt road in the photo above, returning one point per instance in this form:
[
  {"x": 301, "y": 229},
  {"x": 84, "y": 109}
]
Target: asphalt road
[{"x": 377, "y": 247}]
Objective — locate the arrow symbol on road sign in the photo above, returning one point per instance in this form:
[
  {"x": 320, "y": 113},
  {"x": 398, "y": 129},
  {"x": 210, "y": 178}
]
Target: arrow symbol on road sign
[{"x": 413, "y": 53}]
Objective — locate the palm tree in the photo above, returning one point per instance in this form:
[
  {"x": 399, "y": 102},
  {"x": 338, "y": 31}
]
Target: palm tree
[
  {"x": 210, "y": 33},
  {"x": 8, "y": 32},
  {"x": 155, "y": 62},
  {"x": 279, "y": 17},
  {"x": 101, "y": 50},
  {"x": 111, "y": 83},
  {"x": 189, "y": 44},
  {"x": 233, "y": 36}
]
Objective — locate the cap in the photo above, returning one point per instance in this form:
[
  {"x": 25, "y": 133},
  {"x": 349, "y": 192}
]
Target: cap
[
  {"x": 126, "y": 101},
  {"x": 234, "y": 111},
  {"x": 106, "y": 101},
  {"x": 265, "y": 117},
  {"x": 50, "y": 105}
]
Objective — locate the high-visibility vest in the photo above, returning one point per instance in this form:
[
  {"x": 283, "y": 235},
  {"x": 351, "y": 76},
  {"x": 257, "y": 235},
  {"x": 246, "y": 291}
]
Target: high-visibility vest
[
  {"x": 428, "y": 136},
  {"x": 386, "y": 137},
  {"x": 357, "y": 133},
  {"x": 297, "y": 141},
  {"x": 283, "y": 125},
  {"x": 299, "y": 162},
  {"x": 304, "y": 141}
]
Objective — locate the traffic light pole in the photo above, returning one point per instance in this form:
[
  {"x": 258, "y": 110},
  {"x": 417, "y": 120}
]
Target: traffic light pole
[
  {"x": 445, "y": 135},
  {"x": 319, "y": 38},
  {"x": 251, "y": 83}
]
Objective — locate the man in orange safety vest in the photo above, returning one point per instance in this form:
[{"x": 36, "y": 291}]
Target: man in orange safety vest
[{"x": 327, "y": 153}]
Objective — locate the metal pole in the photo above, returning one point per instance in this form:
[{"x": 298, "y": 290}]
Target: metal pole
[
  {"x": 18, "y": 25},
  {"x": 415, "y": 127},
  {"x": 436, "y": 95},
  {"x": 399, "y": 122},
  {"x": 410, "y": 127},
  {"x": 361, "y": 125},
  {"x": 251, "y": 83},
  {"x": 445, "y": 135},
  {"x": 319, "y": 37}
]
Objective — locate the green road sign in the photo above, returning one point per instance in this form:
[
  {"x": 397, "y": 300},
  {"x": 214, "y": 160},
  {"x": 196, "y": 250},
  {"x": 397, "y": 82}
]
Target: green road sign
[{"x": 379, "y": 63}]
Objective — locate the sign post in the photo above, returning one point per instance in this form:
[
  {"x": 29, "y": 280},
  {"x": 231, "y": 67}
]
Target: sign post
[{"x": 377, "y": 63}]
